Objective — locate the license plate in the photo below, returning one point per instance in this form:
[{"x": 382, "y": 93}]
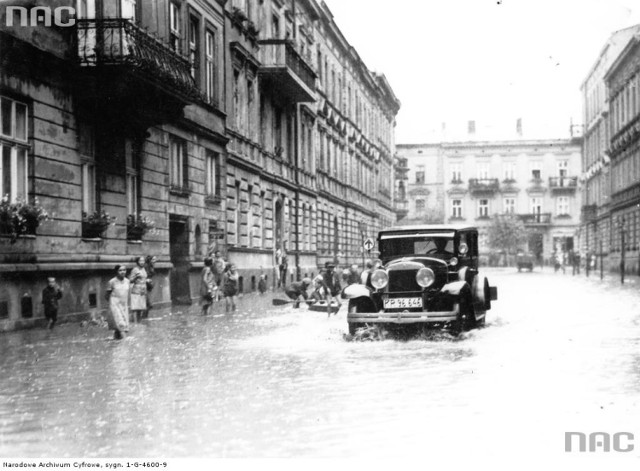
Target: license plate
[{"x": 402, "y": 303}]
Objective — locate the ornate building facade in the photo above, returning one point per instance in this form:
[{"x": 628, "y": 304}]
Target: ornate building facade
[{"x": 211, "y": 119}]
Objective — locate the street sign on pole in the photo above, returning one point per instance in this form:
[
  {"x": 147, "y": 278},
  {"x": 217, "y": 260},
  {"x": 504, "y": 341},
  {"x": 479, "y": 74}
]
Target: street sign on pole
[{"x": 368, "y": 244}]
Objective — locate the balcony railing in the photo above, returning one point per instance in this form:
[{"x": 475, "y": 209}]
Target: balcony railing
[
  {"x": 280, "y": 60},
  {"x": 120, "y": 43},
  {"x": 563, "y": 183},
  {"x": 484, "y": 185},
  {"x": 535, "y": 219}
]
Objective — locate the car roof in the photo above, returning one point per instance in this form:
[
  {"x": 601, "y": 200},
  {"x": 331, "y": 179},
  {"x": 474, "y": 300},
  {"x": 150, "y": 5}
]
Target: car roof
[{"x": 430, "y": 227}]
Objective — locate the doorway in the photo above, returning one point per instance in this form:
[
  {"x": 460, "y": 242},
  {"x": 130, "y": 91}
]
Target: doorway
[{"x": 179, "y": 254}]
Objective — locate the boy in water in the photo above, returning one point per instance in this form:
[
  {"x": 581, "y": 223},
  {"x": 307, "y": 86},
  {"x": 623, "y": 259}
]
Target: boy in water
[{"x": 50, "y": 296}]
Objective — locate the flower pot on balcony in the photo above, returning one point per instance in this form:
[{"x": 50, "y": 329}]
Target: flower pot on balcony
[
  {"x": 93, "y": 230},
  {"x": 135, "y": 233}
]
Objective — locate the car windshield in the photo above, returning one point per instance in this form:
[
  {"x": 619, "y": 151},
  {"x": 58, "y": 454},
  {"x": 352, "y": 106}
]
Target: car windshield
[{"x": 439, "y": 245}]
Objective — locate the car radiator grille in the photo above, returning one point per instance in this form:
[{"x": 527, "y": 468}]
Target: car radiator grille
[{"x": 405, "y": 280}]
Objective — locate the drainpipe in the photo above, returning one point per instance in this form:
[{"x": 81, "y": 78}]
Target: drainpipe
[{"x": 297, "y": 180}]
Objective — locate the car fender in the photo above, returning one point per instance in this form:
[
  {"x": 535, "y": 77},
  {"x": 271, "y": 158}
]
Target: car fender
[
  {"x": 455, "y": 288},
  {"x": 356, "y": 291}
]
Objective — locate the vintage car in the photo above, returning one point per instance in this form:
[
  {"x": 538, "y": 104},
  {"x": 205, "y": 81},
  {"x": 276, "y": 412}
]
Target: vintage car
[
  {"x": 525, "y": 260},
  {"x": 429, "y": 277}
]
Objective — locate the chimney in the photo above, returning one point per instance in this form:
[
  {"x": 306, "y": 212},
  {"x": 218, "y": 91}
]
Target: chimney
[{"x": 519, "y": 127}]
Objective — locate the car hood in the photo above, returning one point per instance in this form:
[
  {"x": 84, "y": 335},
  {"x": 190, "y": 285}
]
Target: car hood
[{"x": 414, "y": 263}]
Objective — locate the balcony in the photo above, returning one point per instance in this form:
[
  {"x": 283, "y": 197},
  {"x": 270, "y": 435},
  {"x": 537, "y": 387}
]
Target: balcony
[
  {"x": 589, "y": 213},
  {"x": 286, "y": 71},
  {"x": 483, "y": 186},
  {"x": 563, "y": 184},
  {"x": 401, "y": 207},
  {"x": 129, "y": 71},
  {"x": 536, "y": 219}
]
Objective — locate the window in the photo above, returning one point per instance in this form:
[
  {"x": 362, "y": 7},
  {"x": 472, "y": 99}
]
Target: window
[
  {"x": 562, "y": 206},
  {"x": 509, "y": 171},
  {"x": 250, "y": 221},
  {"x": 536, "y": 173},
  {"x": 212, "y": 169},
  {"x": 174, "y": 26},
  {"x": 510, "y": 205},
  {"x": 86, "y": 149},
  {"x": 456, "y": 208},
  {"x": 194, "y": 48},
  {"x": 563, "y": 165},
  {"x": 178, "y": 162},
  {"x": 420, "y": 175},
  {"x": 275, "y": 27},
  {"x": 456, "y": 172},
  {"x": 129, "y": 9},
  {"x": 13, "y": 149},
  {"x": 420, "y": 205},
  {"x": 483, "y": 208},
  {"x": 483, "y": 170},
  {"x": 536, "y": 205},
  {"x": 210, "y": 72},
  {"x": 238, "y": 214},
  {"x": 133, "y": 188}
]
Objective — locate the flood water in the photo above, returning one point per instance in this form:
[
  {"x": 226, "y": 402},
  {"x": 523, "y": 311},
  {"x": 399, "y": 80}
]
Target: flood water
[{"x": 558, "y": 354}]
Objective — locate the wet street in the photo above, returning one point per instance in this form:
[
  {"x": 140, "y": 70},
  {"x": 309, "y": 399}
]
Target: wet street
[{"x": 559, "y": 353}]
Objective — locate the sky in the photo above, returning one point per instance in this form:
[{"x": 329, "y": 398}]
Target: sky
[{"x": 490, "y": 61}]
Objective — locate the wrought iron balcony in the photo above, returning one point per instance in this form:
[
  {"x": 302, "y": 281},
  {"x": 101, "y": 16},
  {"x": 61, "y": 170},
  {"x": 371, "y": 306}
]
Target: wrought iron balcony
[
  {"x": 483, "y": 185},
  {"x": 286, "y": 70},
  {"x": 563, "y": 184},
  {"x": 115, "y": 46},
  {"x": 536, "y": 219}
]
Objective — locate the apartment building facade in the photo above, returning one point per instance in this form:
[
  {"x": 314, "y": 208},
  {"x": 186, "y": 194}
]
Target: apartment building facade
[
  {"x": 423, "y": 187},
  {"x": 199, "y": 116},
  {"x": 596, "y": 228},
  {"x": 623, "y": 83},
  {"x": 534, "y": 179}
]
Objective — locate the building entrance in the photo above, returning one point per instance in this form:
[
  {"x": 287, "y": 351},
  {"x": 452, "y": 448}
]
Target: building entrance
[{"x": 179, "y": 253}]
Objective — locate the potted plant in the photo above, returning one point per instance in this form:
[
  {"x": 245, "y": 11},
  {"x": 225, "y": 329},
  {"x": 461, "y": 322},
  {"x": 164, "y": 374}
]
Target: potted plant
[
  {"x": 137, "y": 226},
  {"x": 252, "y": 30},
  {"x": 30, "y": 215},
  {"x": 20, "y": 218},
  {"x": 238, "y": 16},
  {"x": 94, "y": 224}
]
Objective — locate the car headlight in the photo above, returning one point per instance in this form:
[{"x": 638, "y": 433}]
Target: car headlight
[
  {"x": 453, "y": 262},
  {"x": 379, "y": 279},
  {"x": 425, "y": 277}
]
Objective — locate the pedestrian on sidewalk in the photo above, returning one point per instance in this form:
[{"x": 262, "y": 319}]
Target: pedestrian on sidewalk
[
  {"x": 208, "y": 286},
  {"x": 118, "y": 296},
  {"x": 262, "y": 284},
  {"x": 230, "y": 288},
  {"x": 138, "y": 279},
  {"x": 50, "y": 296},
  {"x": 283, "y": 268},
  {"x": 150, "y": 267},
  {"x": 218, "y": 268},
  {"x": 298, "y": 290}
]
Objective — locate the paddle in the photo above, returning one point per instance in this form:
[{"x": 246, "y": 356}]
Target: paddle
[{"x": 281, "y": 302}]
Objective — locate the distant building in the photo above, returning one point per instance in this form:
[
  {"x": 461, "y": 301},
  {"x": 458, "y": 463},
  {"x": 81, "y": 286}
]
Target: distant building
[
  {"x": 535, "y": 179},
  {"x": 424, "y": 184}
]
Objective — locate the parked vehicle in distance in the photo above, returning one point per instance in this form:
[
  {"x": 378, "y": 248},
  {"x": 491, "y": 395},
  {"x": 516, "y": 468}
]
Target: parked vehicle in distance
[
  {"x": 525, "y": 260},
  {"x": 429, "y": 277}
]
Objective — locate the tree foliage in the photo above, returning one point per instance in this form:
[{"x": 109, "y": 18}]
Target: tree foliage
[{"x": 507, "y": 232}]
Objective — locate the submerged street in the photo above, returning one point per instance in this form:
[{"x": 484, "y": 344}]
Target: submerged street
[{"x": 559, "y": 353}]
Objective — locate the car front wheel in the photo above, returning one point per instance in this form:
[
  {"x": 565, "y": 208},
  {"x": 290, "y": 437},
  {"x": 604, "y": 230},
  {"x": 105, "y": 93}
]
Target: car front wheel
[{"x": 354, "y": 307}]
